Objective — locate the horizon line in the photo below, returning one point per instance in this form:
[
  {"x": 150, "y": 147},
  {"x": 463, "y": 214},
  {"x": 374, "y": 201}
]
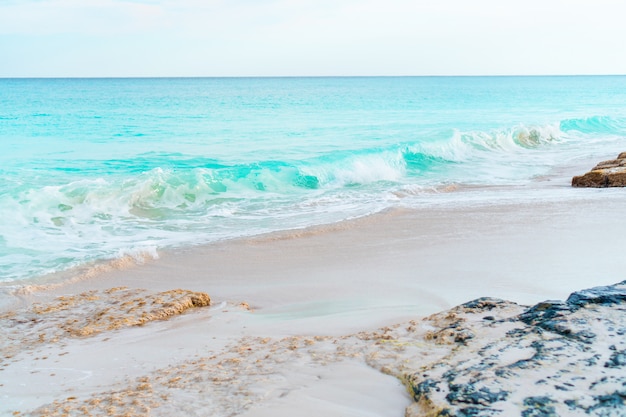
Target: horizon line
[{"x": 302, "y": 76}]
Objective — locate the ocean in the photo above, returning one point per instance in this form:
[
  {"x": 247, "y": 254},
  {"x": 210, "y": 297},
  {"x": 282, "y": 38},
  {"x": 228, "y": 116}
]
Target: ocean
[{"x": 99, "y": 169}]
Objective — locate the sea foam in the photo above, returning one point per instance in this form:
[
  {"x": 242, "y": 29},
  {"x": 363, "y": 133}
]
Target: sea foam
[{"x": 99, "y": 169}]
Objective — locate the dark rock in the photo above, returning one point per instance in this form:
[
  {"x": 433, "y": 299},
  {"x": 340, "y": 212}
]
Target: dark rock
[
  {"x": 572, "y": 404},
  {"x": 608, "y": 295},
  {"x": 468, "y": 394},
  {"x": 610, "y": 173},
  {"x": 616, "y": 360},
  {"x": 600, "y": 381},
  {"x": 552, "y": 316},
  {"x": 450, "y": 375},
  {"x": 476, "y": 412},
  {"x": 592, "y": 361},
  {"x": 504, "y": 373},
  {"x": 616, "y": 401},
  {"x": 571, "y": 351},
  {"x": 539, "y": 407},
  {"x": 424, "y": 388},
  {"x": 538, "y": 401},
  {"x": 484, "y": 303},
  {"x": 585, "y": 336},
  {"x": 544, "y": 312}
]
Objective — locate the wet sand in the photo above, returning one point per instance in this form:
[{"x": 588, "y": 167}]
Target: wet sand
[{"x": 270, "y": 343}]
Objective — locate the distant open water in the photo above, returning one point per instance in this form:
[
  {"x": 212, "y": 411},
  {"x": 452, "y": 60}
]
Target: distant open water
[{"x": 94, "y": 169}]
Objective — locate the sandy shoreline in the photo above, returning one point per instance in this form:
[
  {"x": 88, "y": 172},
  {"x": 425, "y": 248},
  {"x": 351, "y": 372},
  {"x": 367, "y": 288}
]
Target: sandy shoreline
[
  {"x": 325, "y": 282},
  {"x": 424, "y": 260}
]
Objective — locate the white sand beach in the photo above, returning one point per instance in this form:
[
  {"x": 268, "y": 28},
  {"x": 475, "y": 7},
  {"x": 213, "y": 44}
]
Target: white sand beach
[{"x": 288, "y": 300}]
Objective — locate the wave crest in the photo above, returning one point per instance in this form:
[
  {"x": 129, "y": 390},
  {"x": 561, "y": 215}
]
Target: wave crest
[
  {"x": 160, "y": 200},
  {"x": 595, "y": 125},
  {"x": 512, "y": 140},
  {"x": 460, "y": 146}
]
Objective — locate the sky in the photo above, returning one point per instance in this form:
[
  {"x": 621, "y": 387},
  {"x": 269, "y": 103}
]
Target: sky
[{"x": 146, "y": 38}]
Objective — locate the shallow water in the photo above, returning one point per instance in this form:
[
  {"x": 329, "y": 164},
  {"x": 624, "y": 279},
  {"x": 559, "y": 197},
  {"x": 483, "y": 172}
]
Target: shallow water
[{"x": 98, "y": 169}]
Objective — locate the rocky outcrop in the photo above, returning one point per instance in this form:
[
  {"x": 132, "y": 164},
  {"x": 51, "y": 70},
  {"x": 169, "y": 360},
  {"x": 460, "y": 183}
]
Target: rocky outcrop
[
  {"x": 91, "y": 313},
  {"x": 610, "y": 173},
  {"x": 487, "y": 357},
  {"x": 555, "y": 358}
]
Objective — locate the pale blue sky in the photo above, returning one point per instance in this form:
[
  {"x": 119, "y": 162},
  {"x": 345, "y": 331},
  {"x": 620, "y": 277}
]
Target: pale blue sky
[{"x": 87, "y": 38}]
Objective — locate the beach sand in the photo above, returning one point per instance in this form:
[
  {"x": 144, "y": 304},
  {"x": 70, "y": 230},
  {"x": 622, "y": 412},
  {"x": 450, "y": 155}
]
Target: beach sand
[{"x": 280, "y": 337}]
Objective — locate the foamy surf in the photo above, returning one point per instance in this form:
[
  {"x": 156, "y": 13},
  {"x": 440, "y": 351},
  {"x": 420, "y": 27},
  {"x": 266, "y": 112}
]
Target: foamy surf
[{"x": 82, "y": 185}]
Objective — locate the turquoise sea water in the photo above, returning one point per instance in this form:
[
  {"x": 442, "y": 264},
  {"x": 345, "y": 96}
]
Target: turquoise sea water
[{"x": 95, "y": 169}]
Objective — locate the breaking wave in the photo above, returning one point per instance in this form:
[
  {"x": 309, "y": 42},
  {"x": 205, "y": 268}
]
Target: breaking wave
[
  {"x": 99, "y": 209},
  {"x": 596, "y": 125}
]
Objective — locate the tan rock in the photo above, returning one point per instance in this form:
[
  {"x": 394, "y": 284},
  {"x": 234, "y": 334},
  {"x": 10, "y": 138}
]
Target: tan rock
[
  {"x": 91, "y": 313},
  {"x": 611, "y": 173}
]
